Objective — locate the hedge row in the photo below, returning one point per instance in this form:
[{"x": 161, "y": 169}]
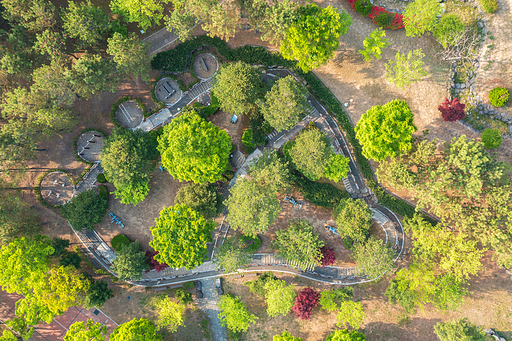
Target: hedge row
[{"x": 320, "y": 194}]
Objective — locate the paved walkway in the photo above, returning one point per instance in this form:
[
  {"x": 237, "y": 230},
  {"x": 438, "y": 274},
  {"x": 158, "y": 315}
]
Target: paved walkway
[
  {"x": 160, "y": 40},
  {"x": 89, "y": 179},
  {"x": 208, "y": 304}
]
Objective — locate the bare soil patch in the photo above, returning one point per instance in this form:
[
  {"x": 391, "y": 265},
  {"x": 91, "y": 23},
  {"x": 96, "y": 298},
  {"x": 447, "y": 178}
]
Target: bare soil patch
[{"x": 222, "y": 119}]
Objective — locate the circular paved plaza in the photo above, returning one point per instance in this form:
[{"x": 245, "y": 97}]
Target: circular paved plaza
[
  {"x": 205, "y": 65},
  {"x": 168, "y": 91},
  {"x": 89, "y": 146},
  {"x": 129, "y": 114},
  {"x": 56, "y": 188}
]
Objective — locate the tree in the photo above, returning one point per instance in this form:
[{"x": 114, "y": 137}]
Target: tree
[
  {"x": 203, "y": 198},
  {"x": 313, "y": 38},
  {"x": 252, "y": 207},
  {"x": 337, "y": 168},
  {"x": 279, "y": 297},
  {"x": 92, "y": 74},
  {"x": 305, "y": 301},
  {"x": 274, "y": 19},
  {"x": 286, "y": 337},
  {"x": 180, "y": 21},
  {"x": 86, "y": 331},
  {"x": 491, "y": 138},
  {"x": 50, "y": 82},
  {"x": 258, "y": 286},
  {"x": 7, "y": 335},
  {"x": 406, "y": 70},
  {"x": 129, "y": 263},
  {"x": 33, "y": 15},
  {"x": 448, "y": 28},
  {"x": 128, "y": 159},
  {"x": 420, "y": 16},
  {"x": 345, "y": 335},
  {"x": 70, "y": 259},
  {"x": 136, "y": 330},
  {"x": 170, "y": 314},
  {"x": 331, "y": 300},
  {"x": 18, "y": 55},
  {"x": 143, "y": 12},
  {"x": 131, "y": 55},
  {"x": 59, "y": 246},
  {"x": 85, "y": 210},
  {"x": 351, "y": 313},
  {"x": 373, "y": 258},
  {"x": 51, "y": 43},
  {"x": 452, "y": 110},
  {"x": 298, "y": 243},
  {"x": 237, "y": 86},
  {"x": 386, "y": 131},
  {"x": 285, "y": 104},
  {"x": 16, "y": 218},
  {"x": 97, "y": 294},
  {"x": 234, "y": 314},
  {"x": 374, "y": 44},
  {"x": 232, "y": 255},
  {"x": 180, "y": 236},
  {"x": 17, "y": 143},
  {"x": 354, "y": 218},
  {"x": 86, "y": 23},
  {"x": 201, "y": 157},
  {"x": 311, "y": 153},
  {"x": 459, "y": 330}
]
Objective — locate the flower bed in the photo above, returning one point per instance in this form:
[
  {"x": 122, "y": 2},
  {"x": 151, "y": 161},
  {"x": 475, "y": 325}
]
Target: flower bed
[{"x": 394, "y": 20}]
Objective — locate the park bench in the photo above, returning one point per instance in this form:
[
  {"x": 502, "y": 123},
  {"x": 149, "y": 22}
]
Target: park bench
[
  {"x": 292, "y": 201},
  {"x": 332, "y": 229},
  {"x": 115, "y": 219}
]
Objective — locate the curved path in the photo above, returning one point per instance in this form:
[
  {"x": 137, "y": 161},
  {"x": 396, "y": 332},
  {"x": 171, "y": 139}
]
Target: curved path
[{"x": 354, "y": 183}]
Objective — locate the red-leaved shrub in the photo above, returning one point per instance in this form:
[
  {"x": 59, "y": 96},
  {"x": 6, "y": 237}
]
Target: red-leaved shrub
[
  {"x": 452, "y": 110},
  {"x": 395, "y": 24},
  {"x": 304, "y": 302},
  {"x": 329, "y": 258},
  {"x": 153, "y": 263}
]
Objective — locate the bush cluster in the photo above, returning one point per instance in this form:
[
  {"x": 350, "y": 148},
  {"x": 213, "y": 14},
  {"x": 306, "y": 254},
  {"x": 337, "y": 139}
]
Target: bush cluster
[
  {"x": 491, "y": 138},
  {"x": 119, "y": 241},
  {"x": 448, "y": 28},
  {"x": 320, "y": 194},
  {"x": 101, "y": 178},
  {"x": 364, "y": 7},
  {"x": 305, "y": 301},
  {"x": 251, "y": 243},
  {"x": 153, "y": 263},
  {"x": 328, "y": 256},
  {"x": 489, "y": 6},
  {"x": 452, "y": 110},
  {"x": 499, "y": 96},
  {"x": 379, "y": 15}
]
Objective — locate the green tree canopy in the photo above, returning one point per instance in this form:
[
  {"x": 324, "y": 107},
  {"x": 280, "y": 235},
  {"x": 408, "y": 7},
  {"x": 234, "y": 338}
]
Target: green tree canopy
[
  {"x": 273, "y": 18},
  {"x": 237, "y": 86},
  {"x": 203, "y": 198},
  {"x": 131, "y": 55},
  {"x": 34, "y": 15},
  {"x": 406, "y": 69},
  {"x": 86, "y": 331},
  {"x": 374, "y": 44},
  {"x": 311, "y": 153},
  {"x": 170, "y": 314},
  {"x": 50, "y": 43},
  {"x": 128, "y": 159},
  {"x": 234, "y": 314},
  {"x": 202, "y": 156},
  {"x": 92, "y": 74},
  {"x": 86, "y": 23},
  {"x": 7, "y": 335},
  {"x": 314, "y": 37},
  {"x": 420, "y": 17},
  {"x": 285, "y": 336},
  {"x": 180, "y": 236},
  {"x": 50, "y": 82},
  {"x": 337, "y": 168},
  {"x": 459, "y": 330},
  {"x": 85, "y": 210},
  {"x": 143, "y": 12},
  {"x": 354, "y": 219},
  {"x": 285, "y": 104},
  {"x": 373, "y": 258},
  {"x": 345, "y": 335},
  {"x": 386, "y": 130},
  {"x": 17, "y": 219},
  {"x": 97, "y": 294},
  {"x": 181, "y": 21},
  {"x": 331, "y": 300},
  {"x": 17, "y": 54},
  {"x": 298, "y": 243},
  {"x": 130, "y": 262},
  {"x": 232, "y": 255},
  {"x": 350, "y": 314},
  {"x": 136, "y": 330},
  {"x": 279, "y": 297}
]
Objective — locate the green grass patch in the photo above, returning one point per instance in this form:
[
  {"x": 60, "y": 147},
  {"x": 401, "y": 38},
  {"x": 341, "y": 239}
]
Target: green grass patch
[
  {"x": 481, "y": 122},
  {"x": 119, "y": 241},
  {"x": 466, "y": 12}
]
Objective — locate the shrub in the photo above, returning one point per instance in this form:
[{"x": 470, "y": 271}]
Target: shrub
[
  {"x": 247, "y": 138},
  {"x": 184, "y": 297},
  {"x": 101, "y": 178},
  {"x": 59, "y": 246},
  {"x": 320, "y": 194},
  {"x": 119, "y": 241},
  {"x": 452, "y": 110},
  {"x": 203, "y": 198},
  {"x": 103, "y": 192},
  {"x": 364, "y": 7},
  {"x": 393, "y": 21},
  {"x": 304, "y": 302},
  {"x": 499, "y": 96},
  {"x": 85, "y": 210},
  {"x": 448, "y": 28},
  {"x": 251, "y": 243},
  {"x": 229, "y": 174},
  {"x": 491, "y": 138},
  {"x": 286, "y": 149},
  {"x": 489, "y": 6},
  {"x": 70, "y": 258},
  {"x": 328, "y": 256},
  {"x": 383, "y": 19},
  {"x": 258, "y": 285},
  {"x": 153, "y": 263}
]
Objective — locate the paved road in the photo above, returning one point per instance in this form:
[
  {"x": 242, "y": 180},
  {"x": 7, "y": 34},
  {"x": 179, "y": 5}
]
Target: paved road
[
  {"x": 160, "y": 40},
  {"x": 208, "y": 304}
]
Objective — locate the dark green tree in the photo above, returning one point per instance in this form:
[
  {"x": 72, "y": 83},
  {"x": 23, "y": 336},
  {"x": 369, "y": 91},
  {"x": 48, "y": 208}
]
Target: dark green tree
[
  {"x": 50, "y": 43},
  {"x": 85, "y": 210},
  {"x": 34, "y": 15},
  {"x": 237, "y": 86},
  {"x": 17, "y": 219},
  {"x": 50, "y": 82},
  {"x": 354, "y": 219},
  {"x": 70, "y": 259},
  {"x": 232, "y": 255},
  {"x": 131, "y": 55},
  {"x": 97, "y": 294},
  {"x": 92, "y": 74},
  {"x": 203, "y": 198},
  {"x": 59, "y": 246},
  {"x": 17, "y": 54},
  {"x": 86, "y": 23},
  {"x": 130, "y": 262},
  {"x": 128, "y": 159},
  {"x": 311, "y": 153}
]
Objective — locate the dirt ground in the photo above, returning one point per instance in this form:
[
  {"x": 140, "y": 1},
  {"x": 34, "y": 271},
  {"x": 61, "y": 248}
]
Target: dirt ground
[{"x": 222, "y": 120}]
